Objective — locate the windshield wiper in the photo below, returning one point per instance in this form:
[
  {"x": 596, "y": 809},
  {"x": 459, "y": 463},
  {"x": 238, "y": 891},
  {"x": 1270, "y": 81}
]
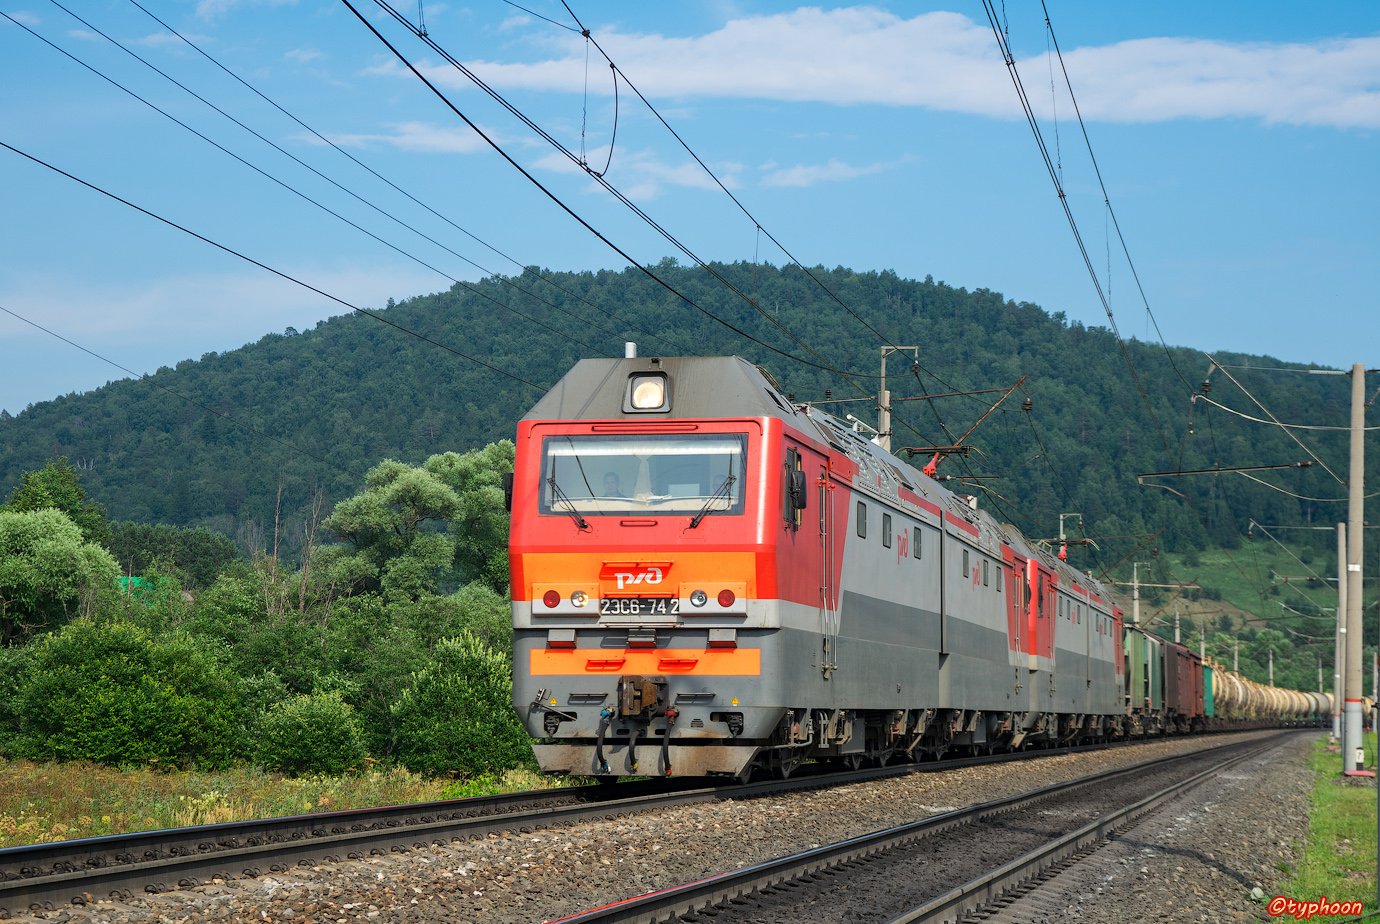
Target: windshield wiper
[
  {"x": 572, "y": 512},
  {"x": 722, "y": 492}
]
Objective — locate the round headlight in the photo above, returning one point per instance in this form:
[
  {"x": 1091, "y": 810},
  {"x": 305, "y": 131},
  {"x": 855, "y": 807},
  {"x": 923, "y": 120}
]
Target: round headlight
[
  {"x": 649, "y": 393},
  {"x": 726, "y": 598},
  {"x": 551, "y": 599},
  {"x": 579, "y": 598},
  {"x": 699, "y": 598}
]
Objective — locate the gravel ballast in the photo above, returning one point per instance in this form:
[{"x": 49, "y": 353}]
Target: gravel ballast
[
  {"x": 530, "y": 877},
  {"x": 1196, "y": 860}
]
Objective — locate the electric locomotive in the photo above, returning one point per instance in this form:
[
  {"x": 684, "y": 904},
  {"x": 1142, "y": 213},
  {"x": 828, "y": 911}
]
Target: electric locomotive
[{"x": 708, "y": 578}]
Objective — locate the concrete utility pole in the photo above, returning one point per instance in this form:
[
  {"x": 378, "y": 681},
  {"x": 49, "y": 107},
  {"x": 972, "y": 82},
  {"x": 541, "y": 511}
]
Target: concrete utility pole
[
  {"x": 1177, "y": 641},
  {"x": 1135, "y": 591},
  {"x": 1236, "y": 656},
  {"x": 1272, "y": 667},
  {"x": 884, "y": 397},
  {"x": 1339, "y": 661},
  {"x": 1353, "y": 753}
]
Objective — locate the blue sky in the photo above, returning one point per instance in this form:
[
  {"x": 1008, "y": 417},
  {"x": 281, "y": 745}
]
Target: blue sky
[{"x": 1238, "y": 142}]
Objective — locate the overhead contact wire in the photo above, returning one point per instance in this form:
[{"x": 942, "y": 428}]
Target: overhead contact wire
[
  {"x": 277, "y": 272},
  {"x": 268, "y": 176},
  {"x": 544, "y": 189},
  {"x": 145, "y": 377},
  {"x": 424, "y": 205}
]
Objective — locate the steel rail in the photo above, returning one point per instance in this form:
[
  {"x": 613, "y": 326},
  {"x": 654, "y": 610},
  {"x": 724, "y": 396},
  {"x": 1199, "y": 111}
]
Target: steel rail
[
  {"x": 81, "y": 871},
  {"x": 704, "y": 894},
  {"x": 990, "y": 887},
  {"x": 49, "y": 875}
]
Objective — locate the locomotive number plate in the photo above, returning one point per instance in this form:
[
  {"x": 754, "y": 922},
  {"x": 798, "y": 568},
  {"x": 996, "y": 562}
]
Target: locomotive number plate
[{"x": 639, "y": 606}]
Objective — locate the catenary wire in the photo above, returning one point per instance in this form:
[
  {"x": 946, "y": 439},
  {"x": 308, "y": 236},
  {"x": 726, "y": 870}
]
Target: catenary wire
[
  {"x": 278, "y": 181},
  {"x": 719, "y": 182},
  {"x": 415, "y": 200},
  {"x": 1107, "y": 201},
  {"x": 277, "y": 272},
  {"x": 601, "y": 181},
  {"x": 1256, "y": 401},
  {"x": 1318, "y": 500},
  {"x": 1275, "y": 423},
  {"x": 1034, "y": 124},
  {"x": 145, "y": 377},
  {"x": 762, "y": 230},
  {"x": 562, "y": 205},
  {"x": 1010, "y": 62}
]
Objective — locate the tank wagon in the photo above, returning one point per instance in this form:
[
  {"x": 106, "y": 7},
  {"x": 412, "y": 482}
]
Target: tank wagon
[{"x": 708, "y": 578}]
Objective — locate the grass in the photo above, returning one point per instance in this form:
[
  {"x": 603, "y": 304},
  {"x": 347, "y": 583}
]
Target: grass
[
  {"x": 1339, "y": 857},
  {"x": 1243, "y": 577},
  {"x": 55, "y": 802}
]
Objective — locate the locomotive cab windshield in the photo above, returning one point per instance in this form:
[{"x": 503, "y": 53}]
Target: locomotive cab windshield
[{"x": 643, "y": 474}]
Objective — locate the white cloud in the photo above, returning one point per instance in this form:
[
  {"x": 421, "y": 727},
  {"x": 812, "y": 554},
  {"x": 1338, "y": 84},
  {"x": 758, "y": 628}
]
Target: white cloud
[
  {"x": 414, "y": 136},
  {"x": 24, "y": 17},
  {"x": 304, "y": 55},
  {"x": 852, "y": 55},
  {"x": 803, "y": 175},
  {"x": 1323, "y": 83},
  {"x": 948, "y": 61},
  {"x": 211, "y": 311}
]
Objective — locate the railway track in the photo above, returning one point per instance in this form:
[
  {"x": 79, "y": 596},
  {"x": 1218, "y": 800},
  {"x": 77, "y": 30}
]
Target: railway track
[
  {"x": 903, "y": 874},
  {"x": 52, "y": 875}
]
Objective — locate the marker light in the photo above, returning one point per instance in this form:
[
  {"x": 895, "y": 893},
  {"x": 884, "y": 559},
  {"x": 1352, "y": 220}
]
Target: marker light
[
  {"x": 647, "y": 392},
  {"x": 726, "y": 598},
  {"x": 699, "y": 598},
  {"x": 551, "y": 599},
  {"x": 579, "y": 598}
]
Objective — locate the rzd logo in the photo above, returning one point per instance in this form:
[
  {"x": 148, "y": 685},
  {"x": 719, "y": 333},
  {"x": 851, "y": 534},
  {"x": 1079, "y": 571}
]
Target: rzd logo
[{"x": 651, "y": 575}]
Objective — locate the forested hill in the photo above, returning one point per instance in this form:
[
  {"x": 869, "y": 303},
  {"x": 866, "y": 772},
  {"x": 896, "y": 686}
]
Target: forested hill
[{"x": 328, "y": 403}]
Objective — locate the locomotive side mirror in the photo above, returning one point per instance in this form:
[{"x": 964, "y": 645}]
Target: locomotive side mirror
[
  {"x": 797, "y": 490},
  {"x": 508, "y": 491}
]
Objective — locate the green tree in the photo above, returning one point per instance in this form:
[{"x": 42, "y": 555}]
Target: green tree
[
  {"x": 196, "y": 555},
  {"x": 479, "y": 525},
  {"x": 112, "y": 694},
  {"x": 457, "y": 716},
  {"x": 311, "y": 734},
  {"x": 391, "y": 550},
  {"x": 57, "y": 485},
  {"x": 48, "y": 572}
]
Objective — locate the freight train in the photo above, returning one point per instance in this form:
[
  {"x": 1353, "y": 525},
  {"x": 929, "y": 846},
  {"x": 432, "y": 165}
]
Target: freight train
[{"x": 710, "y": 579}]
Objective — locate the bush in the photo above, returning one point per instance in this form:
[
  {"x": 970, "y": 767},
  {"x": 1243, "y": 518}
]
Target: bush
[
  {"x": 13, "y": 668},
  {"x": 457, "y": 716},
  {"x": 111, "y": 694},
  {"x": 311, "y": 734}
]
